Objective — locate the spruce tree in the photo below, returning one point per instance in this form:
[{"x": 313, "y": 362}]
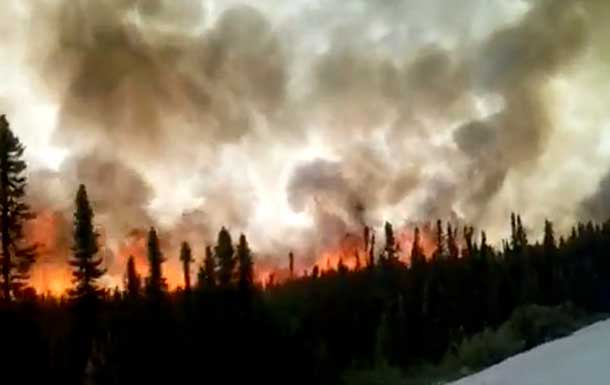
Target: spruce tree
[
  {"x": 155, "y": 285},
  {"x": 186, "y": 257},
  {"x": 452, "y": 246},
  {"x": 291, "y": 264},
  {"x": 417, "y": 254},
  {"x": 366, "y": 236},
  {"x": 224, "y": 252},
  {"x": 549, "y": 238},
  {"x": 207, "y": 272},
  {"x": 133, "y": 281},
  {"x": 390, "y": 244},
  {"x": 468, "y": 234},
  {"x": 372, "y": 252},
  {"x": 246, "y": 266},
  {"x": 87, "y": 270},
  {"x": 17, "y": 256},
  {"x": 440, "y": 244}
]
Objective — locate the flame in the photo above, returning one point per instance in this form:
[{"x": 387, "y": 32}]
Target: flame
[
  {"x": 349, "y": 251},
  {"x": 135, "y": 244},
  {"x": 406, "y": 237},
  {"x": 51, "y": 273}
]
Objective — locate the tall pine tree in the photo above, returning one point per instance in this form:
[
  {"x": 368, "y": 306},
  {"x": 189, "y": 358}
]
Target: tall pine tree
[
  {"x": 390, "y": 244},
  {"x": 155, "y": 285},
  {"x": 225, "y": 255},
  {"x": 246, "y": 266},
  {"x": 133, "y": 281},
  {"x": 291, "y": 264},
  {"x": 186, "y": 257},
  {"x": 417, "y": 253},
  {"x": 87, "y": 266},
  {"x": 207, "y": 272},
  {"x": 17, "y": 257}
]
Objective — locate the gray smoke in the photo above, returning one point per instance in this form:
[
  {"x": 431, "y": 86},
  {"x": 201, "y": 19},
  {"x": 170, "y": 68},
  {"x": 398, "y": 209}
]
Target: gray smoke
[{"x": 191, "y": 114}]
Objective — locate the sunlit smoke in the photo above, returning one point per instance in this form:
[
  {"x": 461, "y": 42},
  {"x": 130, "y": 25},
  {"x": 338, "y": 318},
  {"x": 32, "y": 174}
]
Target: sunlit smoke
[{"x": 298, "y": 123}]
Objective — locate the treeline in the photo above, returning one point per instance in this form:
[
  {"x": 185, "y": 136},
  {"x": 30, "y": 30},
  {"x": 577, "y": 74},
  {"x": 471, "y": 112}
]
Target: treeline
[{"x": 223, "y": 328}]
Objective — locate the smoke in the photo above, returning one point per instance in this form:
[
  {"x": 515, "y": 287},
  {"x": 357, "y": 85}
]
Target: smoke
[
  {"x": 597, "y": 206},
  {"x": 299, "y": 122}
]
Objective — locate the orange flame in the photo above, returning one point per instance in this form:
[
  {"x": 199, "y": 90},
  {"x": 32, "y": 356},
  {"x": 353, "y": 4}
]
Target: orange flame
[{"x": 51, "y": 273}]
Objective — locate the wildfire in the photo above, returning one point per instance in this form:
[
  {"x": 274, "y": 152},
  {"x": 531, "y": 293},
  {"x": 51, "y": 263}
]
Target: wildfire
[
  {"x": 350, "y": 252},
  {"x": 51, "y": 274},
  {"x": 135, "y": 244}
]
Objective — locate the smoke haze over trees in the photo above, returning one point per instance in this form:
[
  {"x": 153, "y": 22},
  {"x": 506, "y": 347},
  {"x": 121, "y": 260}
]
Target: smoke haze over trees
[{"x": 344, "y": 112}]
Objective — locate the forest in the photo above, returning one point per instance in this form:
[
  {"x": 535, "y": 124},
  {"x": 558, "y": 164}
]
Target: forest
[{"x": 330, "y": 325}]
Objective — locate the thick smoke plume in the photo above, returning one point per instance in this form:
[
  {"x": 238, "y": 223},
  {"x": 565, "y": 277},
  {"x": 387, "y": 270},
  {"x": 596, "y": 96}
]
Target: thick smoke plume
[{"x": 301, "y": 122}]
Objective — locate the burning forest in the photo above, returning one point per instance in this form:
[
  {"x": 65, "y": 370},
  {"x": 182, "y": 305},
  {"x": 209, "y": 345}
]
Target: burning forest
[{"x": 337, "y": 191}]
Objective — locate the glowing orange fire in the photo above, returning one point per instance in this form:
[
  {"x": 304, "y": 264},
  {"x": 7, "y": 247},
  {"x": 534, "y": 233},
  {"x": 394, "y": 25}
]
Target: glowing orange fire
[
  {"x": 350, "y": 252},
  {"x": 135, "y": 244},
  {"x": 51, "y": 273}
]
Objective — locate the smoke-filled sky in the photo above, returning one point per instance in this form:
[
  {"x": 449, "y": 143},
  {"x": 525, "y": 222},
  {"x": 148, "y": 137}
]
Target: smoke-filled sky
[{"x": 298, "y": 121}]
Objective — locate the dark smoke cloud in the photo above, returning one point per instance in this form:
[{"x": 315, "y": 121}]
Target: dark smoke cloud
[
  {"x": 515, "y": 63},
  {"x": 128, "y": 77},
  {"x": 597, "y": 206},
  {"x": 393, "y": 90}
]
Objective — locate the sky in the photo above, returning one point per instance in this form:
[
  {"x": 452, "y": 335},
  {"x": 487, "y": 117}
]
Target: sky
[{"x": 297, "y": 122}]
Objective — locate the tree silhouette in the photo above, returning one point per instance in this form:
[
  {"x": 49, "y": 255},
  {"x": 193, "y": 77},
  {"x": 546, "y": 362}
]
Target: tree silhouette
[
  {"x": 390, "y": 244},
  {"x": 549, "y": 237},
  {"x": 439, "y": 253},
  {"x": 372, "y": 252},
  {"x": 206, "y": 277},
  {"x": 17, "y": 256},
  {"x": 225, "y": 255},
  {"x": 133, "y": 281},
  {"x": 155, "y": 284},
  {"x": 85, "y": 262},
  {"x": 186, "y": 257},
  {"x": 452, "y": 246},
  {"x": 417, "y": 253},
  {"x": 291, "y": 264},
  {"x": 246, "y": 266}
]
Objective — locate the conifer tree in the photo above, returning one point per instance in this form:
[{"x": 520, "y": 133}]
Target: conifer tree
[
  {"x": 452, "y": 246},
  {"x": 246, "y": 266},
  {"x": 186, "y": 257},
  {"x": 367, "y": 237},
  {"x": 549, "y": 237},
  {"x": 521, "y": 233},
  {"x": 155, "y": 283},
  {"x": 440, "y": 244},
  {"x": 225, "y": 256},
  {"x": 17, "y": 256},
  {"x": 468, "y": 234},
  {"x": 133, "y": 281},
  {"x": 85, "y": 262},
  {"x": 372, "y": 252},
  {"x": 484, "y": 247},
  {"x": 207, "y": 272},
  {"x": 417, "y": 254},
  {"x": 513, "y": 232},
  {"x": 390, "y": 244}
]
